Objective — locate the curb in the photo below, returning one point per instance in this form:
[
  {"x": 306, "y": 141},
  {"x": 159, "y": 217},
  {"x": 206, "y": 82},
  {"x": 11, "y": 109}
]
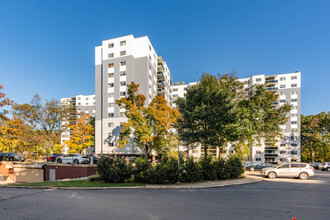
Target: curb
[{"x": 246, "y": 180}]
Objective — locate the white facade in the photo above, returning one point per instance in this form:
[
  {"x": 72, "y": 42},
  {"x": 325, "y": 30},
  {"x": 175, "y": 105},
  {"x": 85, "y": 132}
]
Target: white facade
[
  {"x": 287, "y": 87},
  {"x": 118, "y": 62}
]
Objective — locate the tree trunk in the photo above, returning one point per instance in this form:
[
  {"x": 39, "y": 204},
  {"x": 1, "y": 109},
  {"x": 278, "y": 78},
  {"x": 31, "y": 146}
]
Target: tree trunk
[{"x": 147, "y": 154}]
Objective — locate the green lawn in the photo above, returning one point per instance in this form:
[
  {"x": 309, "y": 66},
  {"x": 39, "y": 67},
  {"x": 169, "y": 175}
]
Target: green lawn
[{"x": 80, "y": 183}]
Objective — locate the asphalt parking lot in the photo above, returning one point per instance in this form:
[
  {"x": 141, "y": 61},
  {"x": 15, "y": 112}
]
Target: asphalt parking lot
[{"x": 281, "y": 198}]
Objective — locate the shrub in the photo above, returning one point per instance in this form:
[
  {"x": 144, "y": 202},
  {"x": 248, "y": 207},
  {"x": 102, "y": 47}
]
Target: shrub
[
  {"x": 234, "y": 167},
  {"x": 142, "y": 170},
  {"x": 114, "y": 170},
  {"x": 208, "y": 171},
  {"x": 219, "y": 165},
  {"x": 191, "y": 171}
]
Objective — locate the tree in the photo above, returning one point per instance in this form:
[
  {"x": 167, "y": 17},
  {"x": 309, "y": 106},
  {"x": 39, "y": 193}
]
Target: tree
[
  {"x": 152, "y": 127},
  {"x": 258, "y": 116},
  {"x": 315, "y": 137},
  {"x": 3, "y": 102},
  {"x": 11, "y": 133},
  {"x": 45, "y": 120},
  {"x": 208, "y": 112},
  {"x": 82, "y": 136}
]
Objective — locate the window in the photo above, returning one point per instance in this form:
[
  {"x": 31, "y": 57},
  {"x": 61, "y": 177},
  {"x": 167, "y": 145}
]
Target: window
[
  {"x": 294, "y": 85},
  {"x": 149, "y": 47},
  {"x": 293, "y": 122},
  {"x": 283, "y": 130},
  {"x": 123, "y": 43},
  {"x": 282, "y": 152},
  {"x": 86, "y": 98},
  {"x": 258, "y": 79},
  {"x": 294, "y": 115},
  {"x": 122, "y": 114},
  {"x": 294, "y": 137},
  {"x": 293, "y": 160},
  {"x": 293, "y": 152},
  {"x": 111, "y": 95},
  {"x": 294, "y": 145},
  {"x": 293, "y": 100},
  {"x": 122, "y": 83},
  {"x": 123, "y": 73},
  {"x": 110, "y": 65},
  {"x": 111, "y": 55},
  {"x": 294, "y": 130},
  {"x": 186, "y": 88},
  {"x": 79, "y": 103},
  {"x": 123, "y": 63},
  {"x": 175, "y": 96},
  {"x": 281, "y": 159},
  {"x": 258, "y": 152},
  {"x": 293, "y": 77},
  {"x": 282, "y": 86},
  {"x": 94, "y": 98},
  {"x": 111, "y": 45},
  {"x": 111, "y": 125},
  {"x": 110, "y": 105},
  {"x": 294, "y": 107},
  {"x": 78, "y": 98},
  {"x": 111, "y": 75},
  {"x": 284, "y": 166},
  {"x": 122, "y": 53},
  {"x": 282, "y": 100},
  {"x": 175, "y": 89},
  {"x": 282, "y": 93},
  {"x": 110, "y": 85},
  {"x": 282, "y": 145},
  {"x": 282, "y": 79},
  {"x": 111, "y": 115},
  {"x": 294, "y": 93},
  {"x": 122, "y": 93},
  {"x": 258, "y": 159},
  {"x": 111, "y": 144}
]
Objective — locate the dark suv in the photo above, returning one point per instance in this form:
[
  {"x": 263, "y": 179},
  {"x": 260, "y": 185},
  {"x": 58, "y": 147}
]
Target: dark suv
[{"x": 14, "y": 157}]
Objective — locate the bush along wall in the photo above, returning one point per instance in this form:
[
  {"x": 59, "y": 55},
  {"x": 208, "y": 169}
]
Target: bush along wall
[{"x": 118, "y": 170}]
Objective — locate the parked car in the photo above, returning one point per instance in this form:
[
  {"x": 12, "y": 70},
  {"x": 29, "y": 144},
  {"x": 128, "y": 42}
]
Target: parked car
[
  {"x": 249, "y": 164},
  {"x": 72, "y": 158},
  {"x": 259, "y": 166},
  {"x": 294, "y": 169},
  {"x": 324, "y": 166},
  {"x": 13, "y": 157},
  {"x": 95, "y": 159},
  {"x": 52, "y": 157},
  {"x": 315, "y": 165},
  {"x": 2, "y": 156}
]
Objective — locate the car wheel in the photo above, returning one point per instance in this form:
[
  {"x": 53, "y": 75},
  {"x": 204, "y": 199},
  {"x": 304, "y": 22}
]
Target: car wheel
[
  {"x": 328, "y": 169},
  {"x": 303, "y": 176},
  {"x": 76, "y": 161},
  {"x": 59, "y": 160},
  {"x": 271, "y": 175},
  {"x": 252, "y": 169}
]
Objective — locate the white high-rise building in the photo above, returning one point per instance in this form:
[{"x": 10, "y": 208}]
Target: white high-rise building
[
  {"x": 287, "y": 87},
  {"x": 118, "y": 62},
  {"x": 79, "y": 105}
]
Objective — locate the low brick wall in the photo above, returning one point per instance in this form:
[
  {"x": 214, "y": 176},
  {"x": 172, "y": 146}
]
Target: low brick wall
[{"x": 68, "y": 171}]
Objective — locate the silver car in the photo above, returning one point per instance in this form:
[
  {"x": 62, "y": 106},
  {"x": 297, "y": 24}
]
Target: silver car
[{"x": 295, "y": 169}]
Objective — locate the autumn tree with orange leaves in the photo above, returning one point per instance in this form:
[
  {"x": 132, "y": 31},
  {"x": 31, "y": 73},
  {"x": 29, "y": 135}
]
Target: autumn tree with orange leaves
[
  {"x": 151, "y": 127},
  {"x": 82, "y": 136}
]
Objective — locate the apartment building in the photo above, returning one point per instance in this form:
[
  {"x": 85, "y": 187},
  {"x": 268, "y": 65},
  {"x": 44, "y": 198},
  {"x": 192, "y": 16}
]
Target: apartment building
[
  {"x": 79, "y": 105},
  {"x": 288, "y": 148},
  {"x": 179, "y": 89},
  {"x": 118, "y": 62}
]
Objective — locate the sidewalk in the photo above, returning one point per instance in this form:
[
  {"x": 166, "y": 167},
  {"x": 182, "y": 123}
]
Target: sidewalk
[{"x": 210, "y": 184}]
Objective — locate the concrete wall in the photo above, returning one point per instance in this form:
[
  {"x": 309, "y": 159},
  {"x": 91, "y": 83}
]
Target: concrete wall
[{"x": 68, "y": 171}]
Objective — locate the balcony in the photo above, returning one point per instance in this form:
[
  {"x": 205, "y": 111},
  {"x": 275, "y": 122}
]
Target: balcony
[
  {"x": 160, "y": 84},
  {"x": 160, "y": 75},
  {"x": 271, "y": 148},
  {"x": 160, "y": 67},
  {"x": 271, "y": 155},
  {"x": 271, "y": 88},
  {"x": 271, "y": 81}
]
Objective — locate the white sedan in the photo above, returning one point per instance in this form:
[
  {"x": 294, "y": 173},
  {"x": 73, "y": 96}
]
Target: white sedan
[{"x": 72, "y": 158}]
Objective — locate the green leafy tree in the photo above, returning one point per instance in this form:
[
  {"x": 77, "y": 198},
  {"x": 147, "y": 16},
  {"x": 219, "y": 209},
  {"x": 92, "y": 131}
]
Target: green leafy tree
[
  {"x": 315, "y": 137},
  {"x": 208, "y": 112}
]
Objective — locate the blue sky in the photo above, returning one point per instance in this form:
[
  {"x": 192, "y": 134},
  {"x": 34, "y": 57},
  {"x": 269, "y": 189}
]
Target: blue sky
[{"x": 47, "y": 47}]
